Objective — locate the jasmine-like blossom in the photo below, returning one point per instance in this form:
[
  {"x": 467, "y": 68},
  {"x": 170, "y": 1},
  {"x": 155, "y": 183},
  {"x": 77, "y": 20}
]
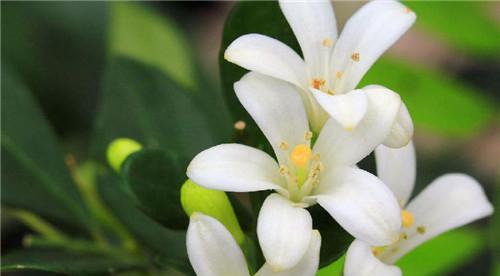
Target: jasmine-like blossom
[
  {"x": 450, "y": 201},
  {"x": 332, "y": 67},
  {"x": 305, "y": 173},
  {"x": 212, "y": 251}
]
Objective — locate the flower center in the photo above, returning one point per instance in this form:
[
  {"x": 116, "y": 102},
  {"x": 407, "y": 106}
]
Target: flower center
[{"x": 303, "y": 174}]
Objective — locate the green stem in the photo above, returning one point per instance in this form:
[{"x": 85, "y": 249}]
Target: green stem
[{"x": 37, "y": 224}]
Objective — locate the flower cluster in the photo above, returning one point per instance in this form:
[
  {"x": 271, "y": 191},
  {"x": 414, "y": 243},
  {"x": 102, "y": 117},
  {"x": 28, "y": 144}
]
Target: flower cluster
[{"x": 320, "y": 126}]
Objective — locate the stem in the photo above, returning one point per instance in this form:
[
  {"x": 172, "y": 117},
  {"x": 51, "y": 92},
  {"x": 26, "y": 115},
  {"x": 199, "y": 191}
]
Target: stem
[{"x": 37, "y": 224}]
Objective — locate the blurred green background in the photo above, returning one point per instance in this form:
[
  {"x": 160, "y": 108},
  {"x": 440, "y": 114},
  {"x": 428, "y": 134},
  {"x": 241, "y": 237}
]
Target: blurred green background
[{"x": 79, "y": 61}]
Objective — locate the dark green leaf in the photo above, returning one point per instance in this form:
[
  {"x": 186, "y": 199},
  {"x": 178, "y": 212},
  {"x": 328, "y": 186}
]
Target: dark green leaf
[
  {"x": 141, "y": 34},
  {"x": 436, "y": 101},
  {"x": 67, "y": 262},
  {"x": 250, "y": 17},
  {"x": 169, "y": 245},
  {"x": 475, "y": 29},
  {"x": 34, "y": 176},
  {"x": 155, "y": 179},
  {"x": 142, "y": 103}
]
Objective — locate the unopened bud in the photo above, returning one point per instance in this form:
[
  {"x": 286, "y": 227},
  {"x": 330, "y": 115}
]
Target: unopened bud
[
  {"x": 214, "y": 203},
  {"x": 119, "y": 150}
]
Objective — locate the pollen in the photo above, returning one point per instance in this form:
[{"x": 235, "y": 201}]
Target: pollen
[
  {"x": 283, "y": 145},
  {"x": 403, "y": 236},
  {"x": 240, "y": 125},
  {"x": 407, "y": 218},
  {"x": 338, "y": 75},
  {"x": 327, "y": 42},
  {"x": 301, "y": 155},
  {"x": 377, "y": 250},
  {"x": 421, "y": 230},
  {"x": 317, "y": 83},
  {"x": 284, "y": 170},
  {"x": 308, "y": 136},
  {"x": 355, "y": 56}
]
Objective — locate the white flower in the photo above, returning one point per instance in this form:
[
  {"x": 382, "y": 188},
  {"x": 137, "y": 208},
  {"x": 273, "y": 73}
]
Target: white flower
[
  {"x": 450, "y": 201},
  {"x": 332, "y": 67},
  {"x": 305, "y": 174},
  {"x": 213, "y": 251}
]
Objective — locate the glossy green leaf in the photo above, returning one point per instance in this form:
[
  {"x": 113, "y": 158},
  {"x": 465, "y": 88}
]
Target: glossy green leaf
[
  {"x": 67, "y": 262},
  {"x": 250, "y": 17},
  {"x": 155, "y": 179},
  {"x": 34, "y": 176},
  {"x": 473, "y": 30},
  {"x": 139, "y": 33},
  {"x": 141, "y": 103},
  {"x": 167, "y": 244},
  {"x": 443, "y": 254},
  {"x": 437, "y": 102}
]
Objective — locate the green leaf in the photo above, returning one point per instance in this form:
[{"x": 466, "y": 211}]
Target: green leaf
[
  {"x": 155, "y": 179},
  {"x": 443, "y": 254},
  {"x": 169, "y": 245},
  {"x": 141, "y": 34},
  {"x": 475, "y": 31},
  {"x": 437, "y": 102},
  {"x": 141, "y": 103},
  {"x": 68, "y": 262},
  {"x": 250, "y": 17},
  {"x": 34, "y": 176},
  {"x": 334, "y": 269}
]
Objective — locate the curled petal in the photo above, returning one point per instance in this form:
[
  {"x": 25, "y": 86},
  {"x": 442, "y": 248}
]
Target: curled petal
[
  {"x": 211, "y": 248},
  {"x": 360, "y": 261},
  {"x": 284, "y": 232}
]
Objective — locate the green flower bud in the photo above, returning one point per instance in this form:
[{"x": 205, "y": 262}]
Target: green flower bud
[
  {"x": 119, "y": 150},
  {"x": 195, "y": 198}
]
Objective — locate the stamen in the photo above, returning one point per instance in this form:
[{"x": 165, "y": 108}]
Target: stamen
[
  {"x": 327, "y": 42},
  {"x": 284, "y": 170},
  {"x": 407, "y": 10},
  {"x": 317, "y": 83},
  {"x": 308, "y": 135},
  {"x": 407, "y": 218},
  {"x": 421, "y": 230},
  {"x": 301, "y": 155},
  {"x": 377, "y": 250},
  {"x": 403, "y": 236},
  {"x": 330, "y": 92},
  {"x": 240, "y": 125},
  {"x": 355, "y": 56},
  {"x": 283, "y": 145},
  {"x": 338, "y": 75}
]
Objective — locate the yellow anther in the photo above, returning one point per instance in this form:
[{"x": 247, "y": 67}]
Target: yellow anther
[
  {"x": 240, "y": 125},
  {"x": 355, "y": 56},
  {"x": 338, "y": 75},
  {"x": 407, "y": 10},
  {"x": 421, "y": 230},
  {"x": 330, "y": 92},
  {"x": 283, "y": 170},
  {"x": 301, "y": 155},
  {"x": 283, "y": 145},
  {"x": 403, "y": 236},
  {"x": 377, "y": 250},
  {"x": 317, "y": 83},
  {"x": 308, "y": 135},
  {"x": 406, "y": 218},
  {"x": 327, "y": 42}
]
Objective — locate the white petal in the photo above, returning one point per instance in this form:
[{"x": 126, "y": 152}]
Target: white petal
[
  {"x": 235, "y": 168},
  {"x": 308, "y": 266},
  {"x": 360, "y": 261},
  {"x": 277, "y": 109},
  {"x": 268, "y": 56},
  {"x": 402, "y": 129},
  {"x": 361, "y": 203},
  {"x": 347, "y": 109},
  {"x": 337, "y": 145},
  {"x": 313, "y": 23},
  {"x": 284, "y": 232},
  {"x": 366, "y": 35},
  {"x": 397, "y": 169},
  {"x": 211, "y": 248},
  {"x": 450, "y": 201}
]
